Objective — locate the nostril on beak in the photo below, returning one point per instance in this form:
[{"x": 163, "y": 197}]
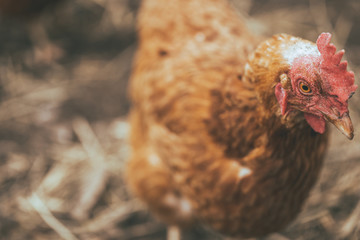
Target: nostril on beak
[
  {"x": 344, "y": 115},
  {"x": 336, "y": 112},
  {"x": 343, "y": 123}
]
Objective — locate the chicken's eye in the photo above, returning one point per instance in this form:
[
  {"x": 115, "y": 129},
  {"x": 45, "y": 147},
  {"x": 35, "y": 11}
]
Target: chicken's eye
[{"x": 304, "y": 88}]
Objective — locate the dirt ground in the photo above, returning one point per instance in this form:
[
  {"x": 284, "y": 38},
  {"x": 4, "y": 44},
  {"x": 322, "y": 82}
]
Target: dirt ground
[{"x": 63, "y": 123}]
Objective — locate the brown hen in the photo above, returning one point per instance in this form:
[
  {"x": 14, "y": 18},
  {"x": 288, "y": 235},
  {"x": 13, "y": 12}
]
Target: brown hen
[{"x": 223, "y": 133}]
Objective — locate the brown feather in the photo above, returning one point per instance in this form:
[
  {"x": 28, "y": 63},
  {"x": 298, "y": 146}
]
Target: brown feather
[{"x": 207, "y": 134}]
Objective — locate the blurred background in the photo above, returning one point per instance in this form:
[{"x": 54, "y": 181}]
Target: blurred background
[{"x": 64, "y": 71}]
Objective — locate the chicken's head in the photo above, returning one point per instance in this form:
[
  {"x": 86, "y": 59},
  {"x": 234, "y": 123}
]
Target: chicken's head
[{"x": 317, "y": 84}]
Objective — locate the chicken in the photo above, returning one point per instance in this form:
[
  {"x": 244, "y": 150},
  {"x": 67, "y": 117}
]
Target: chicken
[
  {"x": 29, "y": 12},
  {"x": 227, "y": 131}
]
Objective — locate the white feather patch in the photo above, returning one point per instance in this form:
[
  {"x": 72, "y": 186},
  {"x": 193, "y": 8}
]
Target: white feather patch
[
  {"x": 181, "y": 204},
  {"x": 154, "y": 159},
  {"x": 298, "y": 49},
  {"x": 185, "y": 206},
  {"x": 243, "y": 172}
]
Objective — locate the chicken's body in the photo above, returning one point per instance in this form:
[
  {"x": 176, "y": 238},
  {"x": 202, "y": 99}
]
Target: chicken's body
[{"x": 206, "y": 146}]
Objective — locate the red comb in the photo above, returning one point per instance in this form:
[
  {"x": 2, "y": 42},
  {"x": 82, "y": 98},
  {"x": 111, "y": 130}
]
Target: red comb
[{"x": 333, "y": 71}]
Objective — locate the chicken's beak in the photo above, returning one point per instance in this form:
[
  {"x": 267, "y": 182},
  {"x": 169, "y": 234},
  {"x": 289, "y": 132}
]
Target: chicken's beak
[{"x": 343, "y": 123}]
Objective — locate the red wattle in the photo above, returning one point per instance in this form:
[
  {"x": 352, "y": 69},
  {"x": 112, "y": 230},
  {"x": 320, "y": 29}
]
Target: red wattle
[{"x": 316, "y": 123}]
